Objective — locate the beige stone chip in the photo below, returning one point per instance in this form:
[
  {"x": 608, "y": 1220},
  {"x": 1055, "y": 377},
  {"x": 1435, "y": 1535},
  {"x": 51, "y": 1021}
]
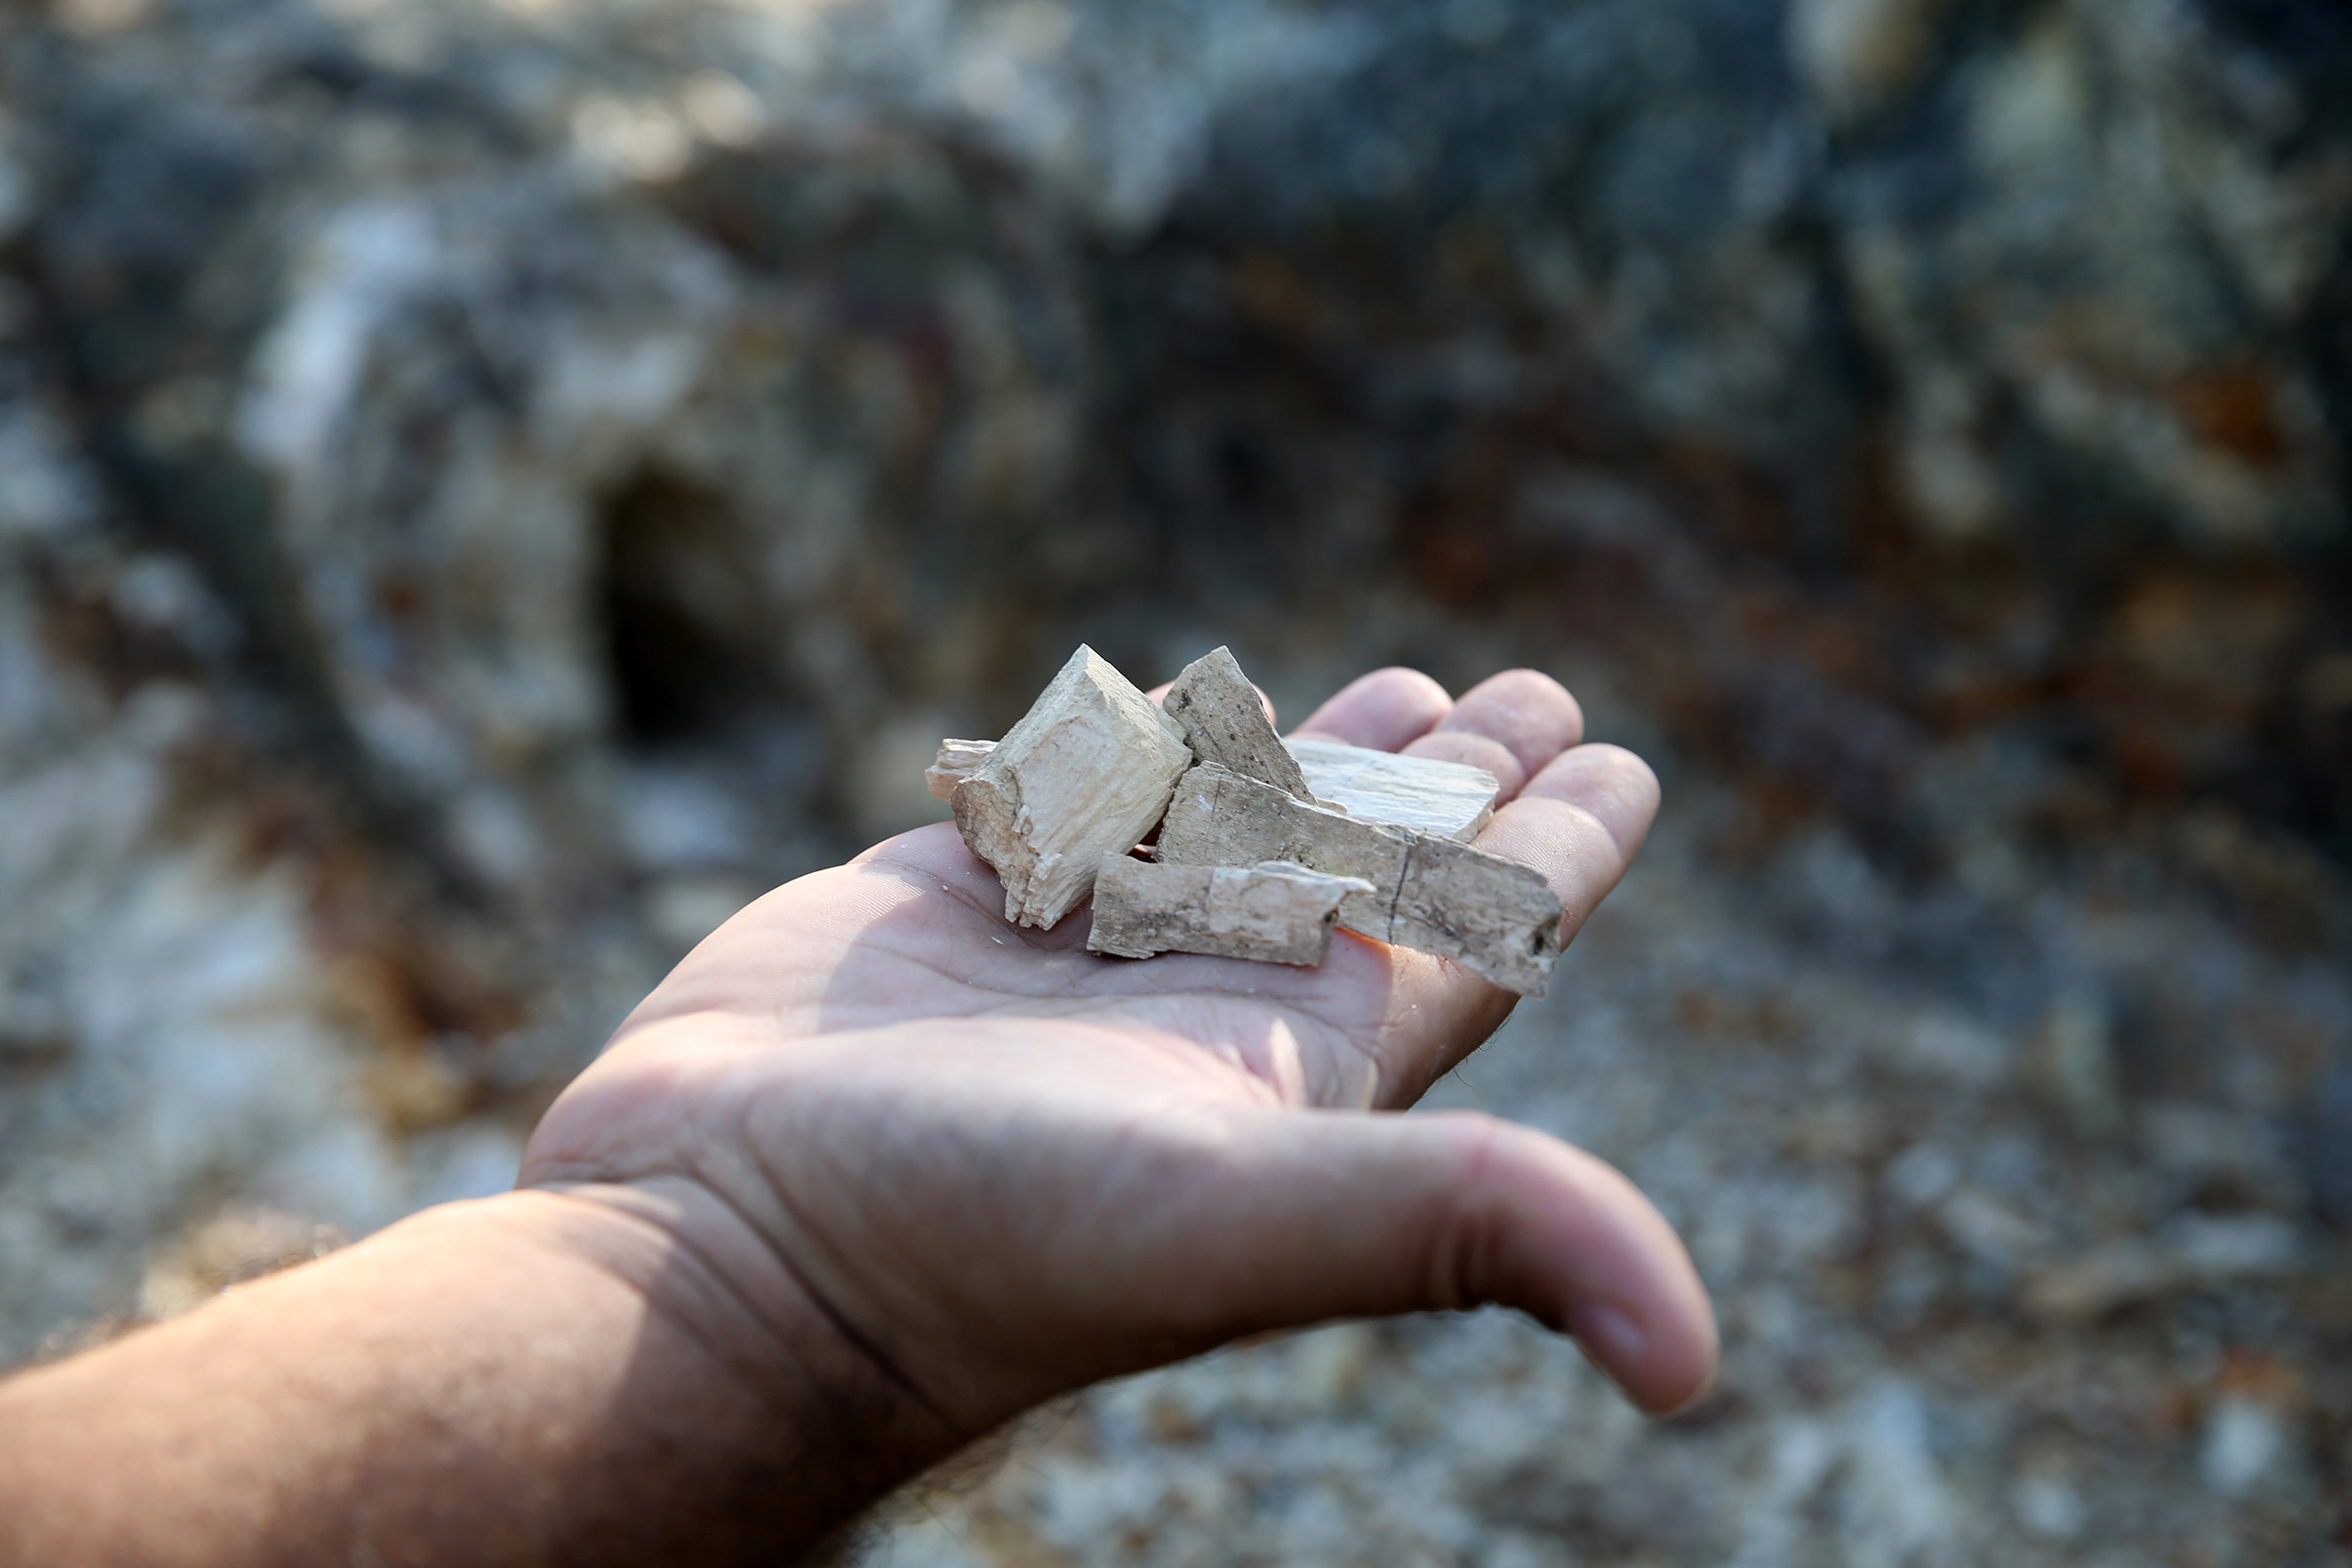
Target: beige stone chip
[
  {"x": 1084, "y": 775},
  {"x": 1273, "y": 912},
  {"x": 1496, "y": 917},
  {"x": 958, "y": 761},
  {"x": 1225, "y": 723},
  {"x": 1219, "y": 818},
  {"x": 1451, "y": 800}
]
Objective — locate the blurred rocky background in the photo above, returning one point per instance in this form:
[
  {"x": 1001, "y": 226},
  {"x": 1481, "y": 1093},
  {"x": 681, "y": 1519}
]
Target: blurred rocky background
[{"x": 486, "y": 488}]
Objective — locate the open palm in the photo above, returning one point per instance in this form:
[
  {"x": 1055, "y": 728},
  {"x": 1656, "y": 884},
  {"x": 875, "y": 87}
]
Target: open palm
[{"x": 1003, "y": 1167}]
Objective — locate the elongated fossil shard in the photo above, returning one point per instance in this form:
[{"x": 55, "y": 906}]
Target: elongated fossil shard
[
  {"x": 1274, "y": 913},
  {"x": 1451, "y": 800},
  {"x": 1497, "y": 917}
]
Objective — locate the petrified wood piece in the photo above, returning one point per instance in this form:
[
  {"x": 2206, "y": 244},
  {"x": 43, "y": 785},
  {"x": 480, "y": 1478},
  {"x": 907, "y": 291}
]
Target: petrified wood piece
[
  {"x": 1494, "y": 916},
  {"x": 959, "y": 759},
  {"x": 1273, "y": 912},
  {"x": 1449, "y": 800},
  {"x": 1084, "y": 775},
  {"x": 1225, "y": 723}
]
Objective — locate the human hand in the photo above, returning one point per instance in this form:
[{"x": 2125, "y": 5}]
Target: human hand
[{"x": 1001, "y": 1167}]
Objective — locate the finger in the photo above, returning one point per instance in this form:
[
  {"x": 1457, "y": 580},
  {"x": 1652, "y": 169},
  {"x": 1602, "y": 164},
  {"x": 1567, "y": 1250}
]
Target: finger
[
  {"x": 1579, "y": 822},
  {"x": 1613, "y": 783},
  {"x": 1385, "y": 709},
  {"x": 1159, "y": 694},
  {"x": 1526, "y": 711},
  {"x": 1362, "y": 1214}
]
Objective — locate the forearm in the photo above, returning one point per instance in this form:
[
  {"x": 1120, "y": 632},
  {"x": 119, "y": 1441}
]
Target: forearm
[{"x": 527, "y": 1379}]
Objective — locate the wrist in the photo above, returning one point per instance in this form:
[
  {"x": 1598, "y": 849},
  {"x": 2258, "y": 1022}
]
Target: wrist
[
  {"x": 538, "y": 1376},
  {"x": 735, "y": 1370}
]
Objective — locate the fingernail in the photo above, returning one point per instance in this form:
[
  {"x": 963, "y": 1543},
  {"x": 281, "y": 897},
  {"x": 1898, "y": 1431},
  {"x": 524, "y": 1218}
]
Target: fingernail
[{"x": 1610, "y": 1335}]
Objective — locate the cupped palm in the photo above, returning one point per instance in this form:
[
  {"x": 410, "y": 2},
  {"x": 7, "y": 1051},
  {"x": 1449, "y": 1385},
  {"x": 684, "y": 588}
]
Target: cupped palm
[{"x": 1004, "y": 1167}]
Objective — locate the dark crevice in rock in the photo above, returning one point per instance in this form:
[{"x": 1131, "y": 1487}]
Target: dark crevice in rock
[{"x": 672, "y": 589}]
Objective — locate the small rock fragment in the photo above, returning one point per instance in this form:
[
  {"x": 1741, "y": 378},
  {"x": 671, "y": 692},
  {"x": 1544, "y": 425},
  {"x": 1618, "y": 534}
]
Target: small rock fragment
[
  {"x": 1448, "y": 800},
  {"x": 1084, "y": 775},
  {"x": 1496, "y": 917},
  {"x": 2246, "y": 1441},
  {"x": 2085, "y": 1289},
  {"x": 1219, "y": 818},
  {"x": 959, "y": 759},
  {"x": 2200, "y": 1254},
  {"x": 1226, "y": 724},
  {"x": 1273, "y": 912}
]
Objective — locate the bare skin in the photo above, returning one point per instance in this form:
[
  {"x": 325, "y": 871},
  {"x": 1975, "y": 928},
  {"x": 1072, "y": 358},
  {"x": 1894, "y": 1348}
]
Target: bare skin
[{"x": 869, "y": 1175}]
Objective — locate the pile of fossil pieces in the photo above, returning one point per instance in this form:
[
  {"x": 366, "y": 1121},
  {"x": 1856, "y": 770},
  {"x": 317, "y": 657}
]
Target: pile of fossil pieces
[{"x": 1263, "y": 846}]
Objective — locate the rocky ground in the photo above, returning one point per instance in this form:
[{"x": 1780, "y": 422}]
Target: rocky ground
[{"x": 485, "y": 490}]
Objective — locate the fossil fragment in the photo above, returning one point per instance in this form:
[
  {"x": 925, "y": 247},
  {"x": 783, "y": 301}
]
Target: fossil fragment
[
  {"x": 1497, "y": 917},
  {"x": 1450, "y": 800},
  {"x": 1084, "y": 775},
  {"x": 1225, "y": 723},
  {"x": 1274, "y": 913},
  {"x": 959, "y": 759}
]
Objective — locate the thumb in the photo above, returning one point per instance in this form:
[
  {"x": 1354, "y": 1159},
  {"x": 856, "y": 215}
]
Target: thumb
[{"x": 1363, "y": 1215}]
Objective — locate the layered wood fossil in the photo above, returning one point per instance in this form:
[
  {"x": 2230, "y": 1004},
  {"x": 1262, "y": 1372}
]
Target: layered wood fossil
[
  {"x": 1274, "y": 913},
  {"x": 959, "y": 759},
  {"x": 1264, "y": 845},
  {"x": 1497, "y": 917},
  {"x": 1085, "y": 773},
  {"x": 1225, "y": 723},
  {"x": 1452, "y": 800}
]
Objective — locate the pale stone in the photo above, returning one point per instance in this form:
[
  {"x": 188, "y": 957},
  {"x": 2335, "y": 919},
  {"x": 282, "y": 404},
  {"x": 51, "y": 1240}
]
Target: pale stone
[
  {"x": 958, "y": 761},
  {"x": 1273, "y": 912},
  {"x": 1449, "y": 800},
  {"x": 1225, "y": 723},
  {"x": 1496, "y": 917},
  {"x": 1084, "y": 775},
  {"x": 1219, "y": 818}
]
